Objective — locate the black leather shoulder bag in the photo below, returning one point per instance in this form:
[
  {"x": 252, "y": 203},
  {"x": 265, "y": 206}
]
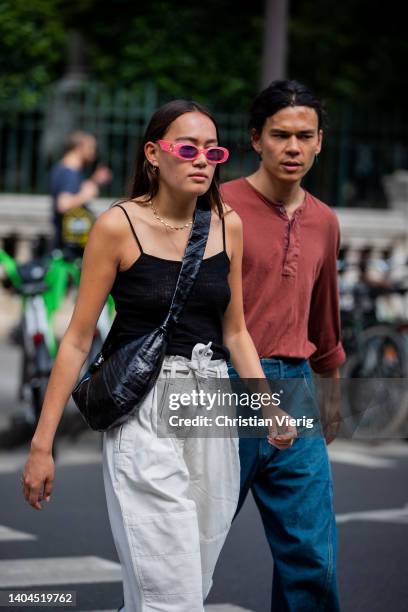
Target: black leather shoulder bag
[{"x": 115, "y": 384}]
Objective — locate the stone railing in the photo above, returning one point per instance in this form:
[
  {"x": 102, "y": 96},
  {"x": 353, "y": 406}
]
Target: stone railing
[
  {"x": 28, "y": 217},
  {"x": 23, "y": 219}
]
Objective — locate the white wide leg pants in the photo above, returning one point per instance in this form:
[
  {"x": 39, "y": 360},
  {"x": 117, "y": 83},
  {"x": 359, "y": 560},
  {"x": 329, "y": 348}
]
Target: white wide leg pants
[{"x": 170, "y": 500}]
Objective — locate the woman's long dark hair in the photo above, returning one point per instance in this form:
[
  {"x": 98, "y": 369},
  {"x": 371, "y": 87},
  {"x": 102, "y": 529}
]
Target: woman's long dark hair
[{"x": 146, "y": 181}]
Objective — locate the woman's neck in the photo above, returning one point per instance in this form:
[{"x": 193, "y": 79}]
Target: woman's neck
[{"x": 174, "y": 207}]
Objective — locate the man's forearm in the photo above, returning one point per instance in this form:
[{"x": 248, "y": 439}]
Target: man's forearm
[
  {"x": 67, "y": 201},
  {"x": 330, "y": 405},
  {"x": 331, "y": 373}
]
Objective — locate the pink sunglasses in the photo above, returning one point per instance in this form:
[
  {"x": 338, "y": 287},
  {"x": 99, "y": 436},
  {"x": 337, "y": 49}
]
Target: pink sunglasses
[{"x": 189, "y": 152}]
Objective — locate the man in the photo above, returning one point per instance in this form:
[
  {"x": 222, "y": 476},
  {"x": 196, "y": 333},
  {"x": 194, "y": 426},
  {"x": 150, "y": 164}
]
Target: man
[
  {"x": 290, "y": 290},
  {"x": 70, "y": 192}
]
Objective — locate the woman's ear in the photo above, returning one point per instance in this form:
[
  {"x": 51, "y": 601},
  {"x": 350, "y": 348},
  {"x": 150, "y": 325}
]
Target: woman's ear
[{"x": 150, "y": 150}]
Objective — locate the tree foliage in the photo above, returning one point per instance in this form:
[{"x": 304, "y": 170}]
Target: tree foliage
[
  {"x": 211, "y": 51},
  {"x": 350, "y": 51},
  {"x": 32, "y": 49},
  {"x": 205, "y": 50}
]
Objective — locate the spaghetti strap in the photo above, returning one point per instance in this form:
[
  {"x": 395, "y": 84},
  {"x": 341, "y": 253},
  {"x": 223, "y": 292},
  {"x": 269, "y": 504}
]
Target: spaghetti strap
[
  {"x": 223, "y": 233},
  {"x": 131, "y": 226}
]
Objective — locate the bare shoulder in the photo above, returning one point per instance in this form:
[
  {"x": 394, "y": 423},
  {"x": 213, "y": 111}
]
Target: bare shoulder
[
  {"x": 233, "y": 223},
  {"x": 113, "y": 222},
  {"x": 233, "y": 230},
  {"x": 109, "y": 232},
  {"x": 107, "y": 227}
]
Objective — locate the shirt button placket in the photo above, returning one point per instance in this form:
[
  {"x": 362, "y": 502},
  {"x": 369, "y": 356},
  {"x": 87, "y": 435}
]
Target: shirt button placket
[{"x": 287, "y": 244}]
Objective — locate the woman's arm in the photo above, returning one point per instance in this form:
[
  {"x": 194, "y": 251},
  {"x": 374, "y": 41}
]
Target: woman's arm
[
  {"x": 98, "y": 273},
  {"x": 244, "y": 356},
  {"x": 237, "y": 339},
  {"x": 100, "y": 264}
]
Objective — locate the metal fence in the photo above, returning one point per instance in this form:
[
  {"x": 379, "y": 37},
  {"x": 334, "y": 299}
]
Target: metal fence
[{"x": 359, "y": 148}]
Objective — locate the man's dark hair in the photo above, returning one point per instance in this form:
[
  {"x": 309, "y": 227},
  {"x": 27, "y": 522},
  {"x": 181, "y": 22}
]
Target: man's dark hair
[{"x": 281, "y": 94}]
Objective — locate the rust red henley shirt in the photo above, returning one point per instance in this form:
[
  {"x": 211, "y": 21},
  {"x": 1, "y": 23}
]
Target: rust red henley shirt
[{"x": 289, "y": 273}]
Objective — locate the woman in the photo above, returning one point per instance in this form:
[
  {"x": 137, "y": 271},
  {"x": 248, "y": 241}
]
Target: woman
[{"x": 170, "y": 501}]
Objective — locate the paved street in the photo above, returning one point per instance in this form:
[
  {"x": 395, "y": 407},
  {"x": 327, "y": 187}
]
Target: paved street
[{"x": 69, "y": 545}]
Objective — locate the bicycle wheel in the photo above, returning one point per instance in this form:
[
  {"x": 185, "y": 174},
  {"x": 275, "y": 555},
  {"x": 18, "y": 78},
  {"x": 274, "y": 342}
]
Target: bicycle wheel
[{"x": 378, "y": 407}]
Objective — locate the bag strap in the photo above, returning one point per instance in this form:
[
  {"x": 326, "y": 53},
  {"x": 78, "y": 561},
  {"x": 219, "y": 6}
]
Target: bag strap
[{"x": 190, "y": 267}]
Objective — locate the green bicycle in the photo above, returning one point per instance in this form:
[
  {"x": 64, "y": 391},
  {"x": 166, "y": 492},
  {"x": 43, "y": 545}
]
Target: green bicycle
[{"x": 42, "y": 285}]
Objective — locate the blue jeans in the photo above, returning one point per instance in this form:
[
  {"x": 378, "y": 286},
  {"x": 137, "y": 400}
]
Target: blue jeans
[{"x": 293, "y": 490}]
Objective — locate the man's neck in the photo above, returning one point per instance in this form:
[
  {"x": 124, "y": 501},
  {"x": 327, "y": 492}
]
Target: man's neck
[
  {"x": 291, "y": 195},
  {"x": 72, "y": 160}
]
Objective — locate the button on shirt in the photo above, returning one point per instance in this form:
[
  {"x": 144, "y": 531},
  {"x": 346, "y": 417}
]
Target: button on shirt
[{"x": 289, "y": 273}]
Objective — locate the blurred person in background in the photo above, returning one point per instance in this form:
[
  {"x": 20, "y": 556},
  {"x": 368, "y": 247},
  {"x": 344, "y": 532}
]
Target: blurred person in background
[
  {"x": 71, "y": 193},
  {"x": 291, "y": 304}
]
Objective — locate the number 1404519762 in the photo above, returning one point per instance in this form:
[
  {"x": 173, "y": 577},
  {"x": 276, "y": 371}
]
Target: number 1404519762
[{"x": 39, "y": 598}]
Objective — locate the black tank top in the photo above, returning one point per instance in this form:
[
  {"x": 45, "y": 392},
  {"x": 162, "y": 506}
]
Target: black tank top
[{"x": 143, "y": 294}]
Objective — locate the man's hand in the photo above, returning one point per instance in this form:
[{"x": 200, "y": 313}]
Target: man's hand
[
  {"x": 89, "y": 190},
  {"x": 102, "y": 175}
]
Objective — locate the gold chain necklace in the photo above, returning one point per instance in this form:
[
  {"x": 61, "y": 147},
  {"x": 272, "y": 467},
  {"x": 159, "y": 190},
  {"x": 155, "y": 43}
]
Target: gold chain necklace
[{"x": 174, "y": 227}]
